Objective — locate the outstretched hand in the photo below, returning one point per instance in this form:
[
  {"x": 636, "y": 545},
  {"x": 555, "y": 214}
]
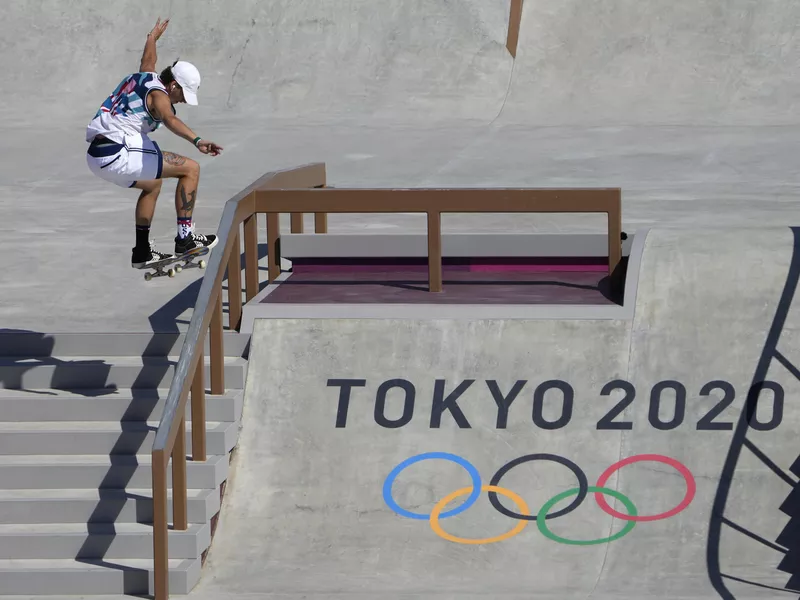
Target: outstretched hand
[
  {"x": 207, "y": 147},
  {"x": 159, "y": 29}
]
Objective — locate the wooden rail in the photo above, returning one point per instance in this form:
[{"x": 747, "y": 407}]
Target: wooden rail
[
  {"x": 434, "y": 202},
  {"x": 169, "y": 443},
  {"x": 298, "y": 191}
]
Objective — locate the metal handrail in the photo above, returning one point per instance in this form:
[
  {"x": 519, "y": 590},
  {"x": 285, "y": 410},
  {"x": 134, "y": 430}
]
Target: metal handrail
[{"x": 170, "y": 437}]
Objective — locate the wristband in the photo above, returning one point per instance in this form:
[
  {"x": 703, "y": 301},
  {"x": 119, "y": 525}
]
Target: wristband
[{"x": 197, "y": 139}]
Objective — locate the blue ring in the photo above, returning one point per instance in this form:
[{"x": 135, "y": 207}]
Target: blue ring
[{"x": 473, "y": 472}]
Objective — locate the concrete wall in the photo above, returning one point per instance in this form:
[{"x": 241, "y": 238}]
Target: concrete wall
[
  {"x": 408, "y": 60},
  {"x": 646, "y": 62}
]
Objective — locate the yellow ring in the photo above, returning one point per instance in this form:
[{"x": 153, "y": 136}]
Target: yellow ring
[{"x": 434, "y": 519}]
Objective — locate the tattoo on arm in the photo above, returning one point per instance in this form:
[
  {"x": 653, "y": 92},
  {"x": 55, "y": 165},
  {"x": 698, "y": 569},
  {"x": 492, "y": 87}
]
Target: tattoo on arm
[{"x": 174, "y": 159}]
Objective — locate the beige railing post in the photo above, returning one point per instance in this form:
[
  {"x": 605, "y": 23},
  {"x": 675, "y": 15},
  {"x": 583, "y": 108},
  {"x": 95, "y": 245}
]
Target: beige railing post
[
  {"x": 251, "y": 256},
  {"x": 434, "y": 251},
  {"x": 273, "y": 243},
  {"x": 179, "y": 493},
  {"x": 160, "y": 527},
  {"x": 235, "y": 284},
  {"x": 514, "y": 23},
  {"x": 615, "y": 237},
  {"x": 199, "y": 412},
  {"x": 217, "y": 343},
  {"x": 320, "y": 222},
  {"x": 297, "y": 222}
]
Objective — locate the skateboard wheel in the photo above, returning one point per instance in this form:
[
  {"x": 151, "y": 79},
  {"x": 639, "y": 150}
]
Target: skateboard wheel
[
  {"x": 171, "y": 272},
  {"x": 202, "y": 264},
  {"x": 148, "y": 276},
  {"x": 178, "y": 269}
]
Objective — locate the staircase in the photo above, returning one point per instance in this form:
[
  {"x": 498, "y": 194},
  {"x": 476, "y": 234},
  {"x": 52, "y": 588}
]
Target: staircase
[{"x": 76, "y": 432}]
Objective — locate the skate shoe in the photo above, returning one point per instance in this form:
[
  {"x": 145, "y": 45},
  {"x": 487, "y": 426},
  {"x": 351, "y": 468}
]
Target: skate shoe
[
  {"x": 193, "y": 241},
  {"x": 143, "y": 258}
]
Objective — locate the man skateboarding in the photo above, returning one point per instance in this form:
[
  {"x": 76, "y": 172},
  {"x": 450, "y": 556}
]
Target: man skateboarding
[{"x": 121, "y": 152}]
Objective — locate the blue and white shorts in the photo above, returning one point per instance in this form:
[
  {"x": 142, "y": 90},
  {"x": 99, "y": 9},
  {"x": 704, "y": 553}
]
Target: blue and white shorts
[{"x": 137, "y": 159}]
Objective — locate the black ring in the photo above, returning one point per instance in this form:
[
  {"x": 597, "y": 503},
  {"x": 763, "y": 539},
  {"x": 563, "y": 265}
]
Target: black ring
[{"x": 583, "y": 485}]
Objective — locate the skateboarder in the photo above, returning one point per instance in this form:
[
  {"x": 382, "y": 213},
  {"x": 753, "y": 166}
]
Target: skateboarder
[{"x": 121, "y": 152}]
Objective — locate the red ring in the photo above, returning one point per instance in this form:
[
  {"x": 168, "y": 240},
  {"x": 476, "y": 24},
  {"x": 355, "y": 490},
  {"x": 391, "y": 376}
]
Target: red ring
[{"x": 691, "y": 487}]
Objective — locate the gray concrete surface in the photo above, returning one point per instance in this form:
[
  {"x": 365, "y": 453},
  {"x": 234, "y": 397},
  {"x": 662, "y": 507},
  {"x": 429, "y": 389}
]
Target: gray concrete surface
[
  {"x": 305, "y": 517},
  {"x": 643, "y": 62},
  {"x": 689, "y": 108}
]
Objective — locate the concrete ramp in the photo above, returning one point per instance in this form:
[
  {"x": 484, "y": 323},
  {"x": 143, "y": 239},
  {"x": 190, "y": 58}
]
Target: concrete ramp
[
  {"x": 406, "y": 61},
  {"x": 646, "y": 62},
  {"x": 356, "y": 432}
]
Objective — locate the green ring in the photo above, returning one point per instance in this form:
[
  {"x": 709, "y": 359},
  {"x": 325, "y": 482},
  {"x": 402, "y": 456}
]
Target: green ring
[{"x": 541, "y": 521}]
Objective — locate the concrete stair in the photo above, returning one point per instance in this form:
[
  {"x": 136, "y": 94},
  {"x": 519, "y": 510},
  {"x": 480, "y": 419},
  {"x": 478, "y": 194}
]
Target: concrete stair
[
  {"x": 104, "y": 405},
  {"x": 78, "y": 415},
  {"x": 114, "y": 505},
  {"x": 30, "y": 438},
  {"x": 83, "y": 578},
  {"x": 42, "y": 472},
  {"x": 120, "y": 371}
]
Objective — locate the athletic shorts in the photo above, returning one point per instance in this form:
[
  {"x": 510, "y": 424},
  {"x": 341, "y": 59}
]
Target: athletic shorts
[{"x": 137, "y": 159}]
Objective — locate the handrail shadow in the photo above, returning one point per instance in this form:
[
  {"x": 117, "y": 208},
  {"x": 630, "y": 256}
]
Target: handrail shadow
[
  {"x": 24, "y": 350},
  {"x": 790, "y": 537}
]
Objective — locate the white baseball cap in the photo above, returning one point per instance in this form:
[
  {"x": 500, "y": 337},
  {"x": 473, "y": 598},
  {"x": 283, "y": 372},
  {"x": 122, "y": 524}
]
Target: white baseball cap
[{"x": 188, "y": 77}]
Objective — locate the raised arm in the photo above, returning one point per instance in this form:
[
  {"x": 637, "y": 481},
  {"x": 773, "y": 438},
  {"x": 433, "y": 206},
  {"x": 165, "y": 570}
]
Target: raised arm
[{"x": 149, "y": 57}]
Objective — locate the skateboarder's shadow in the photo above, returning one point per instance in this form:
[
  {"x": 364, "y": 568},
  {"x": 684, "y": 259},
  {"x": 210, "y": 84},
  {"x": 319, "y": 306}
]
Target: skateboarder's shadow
[
  {"x": 178, "y": 310},
  {"x": 23, "y": 351}
]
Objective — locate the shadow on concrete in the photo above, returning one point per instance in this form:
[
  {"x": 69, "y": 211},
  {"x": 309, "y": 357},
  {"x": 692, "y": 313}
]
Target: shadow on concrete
[
  {"x": 114, "y": 495},
  {"x": 167, "y": 318},
  {"x": 789, "y": 538},
  {"x": 22, "y": 351},
  {"x": 788, "y": 541},
  {"x": 113, "y": 489}
]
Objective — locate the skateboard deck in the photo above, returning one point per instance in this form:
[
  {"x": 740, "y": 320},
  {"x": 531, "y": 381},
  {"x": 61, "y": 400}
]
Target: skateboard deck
[{"x": 156, "y": 269}]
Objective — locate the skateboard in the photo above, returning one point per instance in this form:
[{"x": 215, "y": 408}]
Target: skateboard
[{"x": 156, "y": 269}]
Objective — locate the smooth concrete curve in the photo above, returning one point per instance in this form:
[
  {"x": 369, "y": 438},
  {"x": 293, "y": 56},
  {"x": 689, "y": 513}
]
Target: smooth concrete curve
[
  {"x": 306, "y": 515},
  {"x": 629, "y": 62}
]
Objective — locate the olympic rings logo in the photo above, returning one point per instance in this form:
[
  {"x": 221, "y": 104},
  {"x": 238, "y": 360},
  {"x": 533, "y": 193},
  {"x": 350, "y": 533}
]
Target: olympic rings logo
[{"x": 525, "y": 516}]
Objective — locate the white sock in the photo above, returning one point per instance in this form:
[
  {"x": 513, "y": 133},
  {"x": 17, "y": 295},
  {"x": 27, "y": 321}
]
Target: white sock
[{"x": 184, "y": 227}]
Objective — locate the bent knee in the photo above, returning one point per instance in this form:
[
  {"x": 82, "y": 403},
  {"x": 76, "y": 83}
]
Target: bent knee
[
  {"x": 189, "y": 166},
  {"x": 152, "y": 186},
  {"x": 193, "y": 167}
]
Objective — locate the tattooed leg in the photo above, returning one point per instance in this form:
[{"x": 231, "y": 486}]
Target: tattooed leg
[
  {"x": 184, "y": 200},
  {"x": 188, "y": 173}
]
